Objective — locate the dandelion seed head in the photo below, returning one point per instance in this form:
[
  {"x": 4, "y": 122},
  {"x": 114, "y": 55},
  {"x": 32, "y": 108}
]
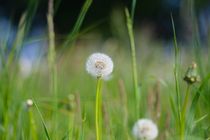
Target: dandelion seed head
[
  {"x": 99, "y": 65},
  {"x": 145, "y": 129},
  {"x": 29, "y": 102}
]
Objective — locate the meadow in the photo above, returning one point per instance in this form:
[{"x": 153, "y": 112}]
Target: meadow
[{"x": 56, "y": 98}]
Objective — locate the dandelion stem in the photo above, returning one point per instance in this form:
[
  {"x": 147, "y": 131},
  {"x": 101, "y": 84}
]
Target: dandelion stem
[{"x": 98, "y": 109}]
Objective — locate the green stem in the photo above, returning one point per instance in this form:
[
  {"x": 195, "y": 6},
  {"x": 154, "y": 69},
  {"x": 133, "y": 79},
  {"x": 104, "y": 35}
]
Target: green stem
[
  {"x": 6, "y": 91},
  {"x": 133, "y": 7},
  {"x": 71, "y": 125},
  {"x": 176, "y": 75},
  {"x": 184, "y": 108},
  {"x": 51, "y": 59},
  {"x": 133, "y": 56},
  {"x": 98, "y": 109},
  {"x": 186, "y": 99},
  {"x": 32, "y": 125}
]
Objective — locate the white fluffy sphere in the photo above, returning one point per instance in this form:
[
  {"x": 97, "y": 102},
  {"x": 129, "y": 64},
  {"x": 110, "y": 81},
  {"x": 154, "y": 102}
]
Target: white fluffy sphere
[
  {"x": 145, "y": 129},
  {"x": 99, "y": 65}
]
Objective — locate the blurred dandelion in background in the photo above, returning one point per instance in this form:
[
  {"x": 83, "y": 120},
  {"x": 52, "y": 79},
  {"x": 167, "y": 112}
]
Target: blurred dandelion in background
[{"x": 145, "y": 129}]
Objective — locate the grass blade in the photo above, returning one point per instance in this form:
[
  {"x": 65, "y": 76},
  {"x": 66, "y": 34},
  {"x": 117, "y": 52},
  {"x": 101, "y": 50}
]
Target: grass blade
[
  {"x": 43, "y": 123},
  {"x": 173, "y": 106},
  {"x": 196, "y": 99},
  {"x": 200, "y": 119},
  {"x": 134, "y": 64},
  {"x": 23, "y": 28},
  {"x": 133, "y": 7},
  {"x": 176, "y": 74},
  {"x": 78, "y": 23}
]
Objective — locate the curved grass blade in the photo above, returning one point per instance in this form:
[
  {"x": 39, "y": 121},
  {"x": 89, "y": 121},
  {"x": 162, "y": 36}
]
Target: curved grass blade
[
  {"x": 78, "y": 23},
  {"x": 195, "y": 100},
  {"x": 43, "y": 123},
  {"x": 173, "y": 106},
  {"x": 176, "y": 74},
  {"x": 200, "y": 119},
  {"x": 133, "y": 7},
  {"x": 23, "y": 28}
]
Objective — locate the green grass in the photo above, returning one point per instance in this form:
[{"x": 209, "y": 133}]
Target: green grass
[
  {"x": 64, "y": 94},
  {"x": 74, "y": 80}
]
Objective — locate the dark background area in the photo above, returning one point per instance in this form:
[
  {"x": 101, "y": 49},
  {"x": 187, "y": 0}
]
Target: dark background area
[{"x": 156, "y": 12}]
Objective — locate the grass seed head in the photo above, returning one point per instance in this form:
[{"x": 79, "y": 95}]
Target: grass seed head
[{"x": 192, "y": 75}]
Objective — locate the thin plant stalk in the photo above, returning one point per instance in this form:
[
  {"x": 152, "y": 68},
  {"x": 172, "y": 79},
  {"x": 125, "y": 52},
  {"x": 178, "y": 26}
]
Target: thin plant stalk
[
  {"x": 71, "y": 125},
  {"x": 32, "y": 125},
  {"x": 78, "y": 23},
  {"x": 123, "y": 96},
  {"x": 186, "y": 99},
  {"x": 43, "y": 122},
  {"x": 98, "y": 109},
  {"x": 133, "y": 7},
  {"x": 184, "y": 108},
  {"x": 176, "y": 67},
  {"x": 51, "y": 58},
  {"x": 7, "y": 98},
  {"x": 133, "y": 57}
]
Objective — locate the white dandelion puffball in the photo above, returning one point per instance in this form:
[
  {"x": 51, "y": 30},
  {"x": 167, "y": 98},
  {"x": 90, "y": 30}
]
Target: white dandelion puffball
[
  {"x": 99, "y": 65},
  {"x": 29, "y": 102},
  {"x": 145, "y": 129}
]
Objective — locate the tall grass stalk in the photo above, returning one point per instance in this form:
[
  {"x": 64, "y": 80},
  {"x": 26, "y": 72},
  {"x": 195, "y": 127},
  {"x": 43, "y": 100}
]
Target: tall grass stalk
[
  {"x": 133, "y": 57},
  {"x": 133, "y": 7},
  {"x": 98, "y": 111},
  {"x": 43, "y": 122},
  {"x": 71, "y": 125},
  {"x": 79, "y": 118},
  {"x": 6, "y": 91},
  {"x": 33, "y": 130},
  {"x": 51, "y": 59},
  {"x": 124, "y": 102},
  {"x": 184, "y": 107},
  {"x": 183, "y": 113},
  {"x": 176, "y": 75},
  {"x": 18, "y": 40},
  {"x": 78, "y": 23}
]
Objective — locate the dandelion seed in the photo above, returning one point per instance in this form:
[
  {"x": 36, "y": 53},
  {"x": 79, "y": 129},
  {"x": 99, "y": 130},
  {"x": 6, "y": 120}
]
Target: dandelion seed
[
  {"x": 145, "y": 129},
  {"x": 99, "y": 65}
]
